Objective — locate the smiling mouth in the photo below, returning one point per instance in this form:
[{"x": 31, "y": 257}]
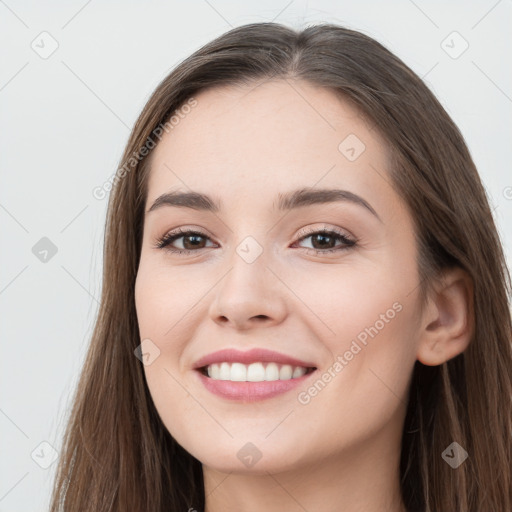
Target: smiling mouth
[{"x": 254, "y": 372}]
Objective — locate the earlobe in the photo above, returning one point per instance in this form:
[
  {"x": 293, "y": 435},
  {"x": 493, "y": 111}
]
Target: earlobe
[{"x": 447, "y": 326}]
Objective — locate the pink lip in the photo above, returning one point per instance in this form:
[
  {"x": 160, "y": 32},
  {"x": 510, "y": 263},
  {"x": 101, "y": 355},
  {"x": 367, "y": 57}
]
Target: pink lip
[
  {"x": 250, "y": 356},
  {"x": 250, "y": 391}
]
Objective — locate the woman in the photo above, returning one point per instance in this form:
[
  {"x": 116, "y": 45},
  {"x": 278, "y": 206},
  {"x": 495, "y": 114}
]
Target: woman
[{"x": 305, "y": 299}]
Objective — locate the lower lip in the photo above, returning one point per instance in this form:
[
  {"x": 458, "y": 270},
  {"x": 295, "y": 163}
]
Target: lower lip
[{"x": 251, "y": 391}]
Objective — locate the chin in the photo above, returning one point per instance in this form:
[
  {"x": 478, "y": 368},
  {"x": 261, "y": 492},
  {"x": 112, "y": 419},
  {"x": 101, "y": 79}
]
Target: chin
[{"x": 247, "y": 457}]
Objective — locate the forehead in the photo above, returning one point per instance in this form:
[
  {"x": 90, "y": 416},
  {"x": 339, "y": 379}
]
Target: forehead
[{"x": 277, "y": 135}]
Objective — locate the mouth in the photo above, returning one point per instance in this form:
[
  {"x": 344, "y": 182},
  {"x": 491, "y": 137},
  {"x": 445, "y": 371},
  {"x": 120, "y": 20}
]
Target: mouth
[
  {"x": 240, "y": 383},
  {"x": 254, "y": 372},
  {"x": 248, "y": 376}
]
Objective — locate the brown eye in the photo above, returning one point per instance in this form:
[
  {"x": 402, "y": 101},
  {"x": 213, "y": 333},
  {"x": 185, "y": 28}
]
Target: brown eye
[
  {"x": 193, "y": 241},
  {"x": 190, "y": 241},
  {"x": 323, "y": 241},
  {"x": 326, "y": 241}
]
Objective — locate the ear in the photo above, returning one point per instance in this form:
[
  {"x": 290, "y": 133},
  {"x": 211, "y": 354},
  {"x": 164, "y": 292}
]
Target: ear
[{"x": 447, "y": 323}]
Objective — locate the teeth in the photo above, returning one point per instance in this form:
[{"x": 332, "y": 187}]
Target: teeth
[
  {"x": 238, "y": 372},
  {"x": 214, "y": 371},
  {"x": 225, "y": 371},
  {"x": 255, "y": 372},
  {"x": 286, "y": 372},
  {"x": 272, "y": 372},
  {"x": 298, "y": 371}
]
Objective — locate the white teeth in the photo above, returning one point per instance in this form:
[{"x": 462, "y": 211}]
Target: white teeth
[
  {"x": 272, "y": 372},
  {"x": 254, "y": 372},
  {"x": 225, "y": 371},
  {"x": 213, "y": 371},
  {"x": 238, "y": 372},
  {"x": 286, "y": 372}
]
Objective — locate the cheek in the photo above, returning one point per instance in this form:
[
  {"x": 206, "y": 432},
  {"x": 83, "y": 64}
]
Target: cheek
[
  {"x": 369, "y": 325},
  {"x": 365, "y": 389},
  {"x": 164, "y": 301},
  {"x": 179, "y": 412},
  {"x": 351, "y": 302},
  {"x": 164, "y": 298},
  {"x": 373, "y": 349}
]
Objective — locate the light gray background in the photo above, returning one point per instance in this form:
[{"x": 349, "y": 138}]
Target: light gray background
[{"x": 65, "y": 120}]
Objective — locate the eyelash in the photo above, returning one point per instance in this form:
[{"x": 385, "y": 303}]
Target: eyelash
[{"x": 165, "y": 241}]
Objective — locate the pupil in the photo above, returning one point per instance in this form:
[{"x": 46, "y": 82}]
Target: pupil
[
  {"x": 324, "y": 237},
  {"x": 189, "y": 237}
]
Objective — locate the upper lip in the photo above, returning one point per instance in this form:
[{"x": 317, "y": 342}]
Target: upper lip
[{"x": 250, "y": 356}]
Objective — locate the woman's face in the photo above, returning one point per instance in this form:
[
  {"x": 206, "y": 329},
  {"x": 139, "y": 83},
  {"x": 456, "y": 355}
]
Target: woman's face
[{"x": 259, "y": 275}]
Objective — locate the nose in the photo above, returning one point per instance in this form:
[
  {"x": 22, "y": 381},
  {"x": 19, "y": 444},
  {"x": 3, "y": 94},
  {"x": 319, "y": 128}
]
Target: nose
[{"x": 248, "y": 296}]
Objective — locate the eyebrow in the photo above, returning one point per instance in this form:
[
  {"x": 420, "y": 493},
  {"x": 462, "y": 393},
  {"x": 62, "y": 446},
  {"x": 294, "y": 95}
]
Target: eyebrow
[{"x": 288, "y": 201}]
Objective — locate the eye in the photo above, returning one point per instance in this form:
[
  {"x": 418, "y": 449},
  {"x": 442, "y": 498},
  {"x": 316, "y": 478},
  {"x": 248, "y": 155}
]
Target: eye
[
  {"x": 191, "y": 241},
  {"x": 323, "y": 241}
]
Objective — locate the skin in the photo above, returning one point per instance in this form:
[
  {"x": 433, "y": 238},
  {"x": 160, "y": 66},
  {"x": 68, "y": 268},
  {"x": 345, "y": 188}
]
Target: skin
[{"x": 244, "y": 145}]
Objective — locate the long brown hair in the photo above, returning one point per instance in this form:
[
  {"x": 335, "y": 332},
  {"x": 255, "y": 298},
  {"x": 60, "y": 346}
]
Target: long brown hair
[{"x": 117, "y": 455}]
